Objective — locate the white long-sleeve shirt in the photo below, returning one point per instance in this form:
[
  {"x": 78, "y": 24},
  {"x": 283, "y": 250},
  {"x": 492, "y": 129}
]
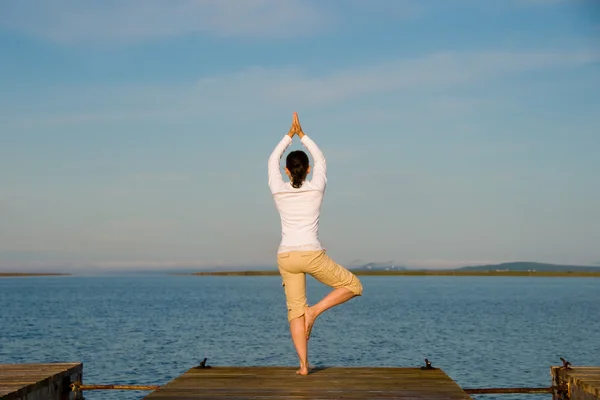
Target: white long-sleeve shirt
[{"x": 299, "y": 209}]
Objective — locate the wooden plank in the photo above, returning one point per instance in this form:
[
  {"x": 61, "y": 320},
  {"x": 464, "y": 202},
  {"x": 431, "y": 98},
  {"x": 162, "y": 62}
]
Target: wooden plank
[
  {"x": 38, "y": 381},
  {"x": 583, "y": 383},
  {"x": 323, "y": 383}
]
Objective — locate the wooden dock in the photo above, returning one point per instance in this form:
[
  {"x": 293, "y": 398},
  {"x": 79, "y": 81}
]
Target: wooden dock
[
  {"x": 63, "y": 381},
  {"x": 39, "y": 381},
  {"x": 325, "y": 383},
  {"x": 582, "y": 383}
]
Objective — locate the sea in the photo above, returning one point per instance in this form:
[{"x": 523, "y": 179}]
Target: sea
[{"x": 151, "y": 328}]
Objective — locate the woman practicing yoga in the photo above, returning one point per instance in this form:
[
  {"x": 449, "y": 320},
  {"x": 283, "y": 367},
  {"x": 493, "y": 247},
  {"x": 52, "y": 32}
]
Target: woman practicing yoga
[{"x": 300, "y": 252}]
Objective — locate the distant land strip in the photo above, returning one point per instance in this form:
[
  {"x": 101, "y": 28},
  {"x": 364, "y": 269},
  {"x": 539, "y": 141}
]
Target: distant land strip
[
  {"x": 26, "y": 274},
  {"x": 579, "y": 274}
]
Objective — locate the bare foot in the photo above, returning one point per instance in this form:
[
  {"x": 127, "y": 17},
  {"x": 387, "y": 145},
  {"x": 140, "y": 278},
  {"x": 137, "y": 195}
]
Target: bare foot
[
  {"x": 302, "y": 371},
  {"x": 309, "y": 320}
]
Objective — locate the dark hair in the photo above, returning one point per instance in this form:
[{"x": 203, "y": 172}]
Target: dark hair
[{"x": 297, "y": 163}]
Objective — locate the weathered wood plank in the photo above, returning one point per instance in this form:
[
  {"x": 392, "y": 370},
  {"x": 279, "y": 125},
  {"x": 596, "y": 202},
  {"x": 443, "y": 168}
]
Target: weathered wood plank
[
  {"x": 39, "y": 381},
  {"x": 323, "y": 383},
  {"x": 583, "y": 383}
]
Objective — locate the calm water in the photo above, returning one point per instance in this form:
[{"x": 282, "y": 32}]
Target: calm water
[{"x": 149, "y": 329}]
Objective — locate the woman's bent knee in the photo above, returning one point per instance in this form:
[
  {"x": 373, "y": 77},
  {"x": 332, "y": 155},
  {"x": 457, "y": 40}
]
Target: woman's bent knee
[{"x": 355, "y": 286}]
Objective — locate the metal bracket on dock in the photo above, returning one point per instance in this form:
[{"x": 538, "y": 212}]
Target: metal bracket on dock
[
  {"x": 203, "y": 364},
  {"x": 428, "y": 365},
  {"x": 566, "y": 364}
]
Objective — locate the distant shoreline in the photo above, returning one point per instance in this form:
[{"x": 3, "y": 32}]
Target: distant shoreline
[
  {"x": 28, "y": 274},
  {"x": 577, "y": 274}
]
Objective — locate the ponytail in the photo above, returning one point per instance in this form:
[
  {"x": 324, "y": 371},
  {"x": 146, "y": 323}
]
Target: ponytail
[{"x": 297, "y": 164}]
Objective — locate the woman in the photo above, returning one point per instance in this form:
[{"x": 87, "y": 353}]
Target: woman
[{"x": 300, "y": 252}]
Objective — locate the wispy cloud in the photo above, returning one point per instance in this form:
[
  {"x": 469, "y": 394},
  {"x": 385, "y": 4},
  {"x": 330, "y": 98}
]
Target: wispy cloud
[
  {"x": 436, "y": 70},
  {"x": 130, "y": 21},
  {"x": 68, "y": 21},
  {"x": 272, "y": 89}
]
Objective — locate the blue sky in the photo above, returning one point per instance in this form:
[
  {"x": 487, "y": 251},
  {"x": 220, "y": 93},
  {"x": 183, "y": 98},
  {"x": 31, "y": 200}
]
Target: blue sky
[{"x": 135, "y": 134}]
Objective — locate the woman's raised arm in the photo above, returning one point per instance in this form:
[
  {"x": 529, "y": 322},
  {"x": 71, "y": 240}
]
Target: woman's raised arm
[
  {"x": 319, "y": 177},
  {"x": 274, "y": 169}
]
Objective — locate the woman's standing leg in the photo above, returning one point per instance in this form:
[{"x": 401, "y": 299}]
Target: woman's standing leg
[
  {"x": 295, "y": 293},
  {"x": 297, "y": 330}
]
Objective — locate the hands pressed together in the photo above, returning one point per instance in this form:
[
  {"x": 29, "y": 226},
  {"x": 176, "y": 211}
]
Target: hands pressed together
[{"x": 296, "y": 128}]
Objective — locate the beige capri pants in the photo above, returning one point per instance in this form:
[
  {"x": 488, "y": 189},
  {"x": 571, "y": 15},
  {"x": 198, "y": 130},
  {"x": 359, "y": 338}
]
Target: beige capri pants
[{"x": 293, "y": 267}]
